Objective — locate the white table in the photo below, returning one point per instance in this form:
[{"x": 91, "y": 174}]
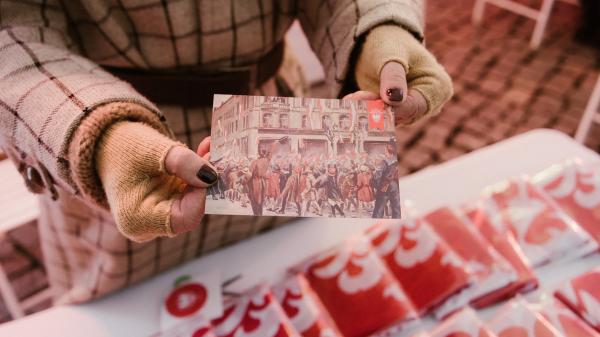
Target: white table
[{"x": 135, "y": 311}]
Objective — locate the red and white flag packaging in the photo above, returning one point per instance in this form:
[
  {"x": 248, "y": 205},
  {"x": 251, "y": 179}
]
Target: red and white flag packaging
[
  {"x": 543, "y": 230},
  {"x": 192, "y": 298},
  {"x": 582, "y": 295},
  {"x": 575, "y": 186},
  {"x": 304, "y": 309},
  {"x": 464, "y": 323},
  {"x": 562, "y": 318},
  {"x": 493, "y": 230},
  {"x": 357, "y": 289},
  {"x": 516, "y": 319},
  {"x": 490, "y": 270},
  {"x": 415, "y": 254},
  {"x": 254, "y": 314}
]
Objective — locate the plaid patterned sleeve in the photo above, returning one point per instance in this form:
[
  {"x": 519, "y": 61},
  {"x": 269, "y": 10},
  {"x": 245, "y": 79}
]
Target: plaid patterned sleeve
[
  {"x": 46, "y": 89},
  {"x": 334, "y": 28}
]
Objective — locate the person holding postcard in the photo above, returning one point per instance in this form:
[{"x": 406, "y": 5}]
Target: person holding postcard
[{"x": 100, "y": 101}]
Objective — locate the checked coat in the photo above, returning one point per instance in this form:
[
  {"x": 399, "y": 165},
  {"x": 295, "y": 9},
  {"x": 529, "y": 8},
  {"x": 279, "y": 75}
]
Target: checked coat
[{"x": 52, "y": 54}]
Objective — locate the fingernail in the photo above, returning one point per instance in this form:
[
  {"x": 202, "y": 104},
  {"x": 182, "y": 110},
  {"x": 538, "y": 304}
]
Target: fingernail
[
  {"x": 395, "y": 94},
  {"x": 207, "y": 175}
]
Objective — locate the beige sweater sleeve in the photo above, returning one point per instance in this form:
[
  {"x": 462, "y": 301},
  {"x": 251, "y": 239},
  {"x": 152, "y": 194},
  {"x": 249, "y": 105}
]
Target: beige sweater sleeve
[
  {"x": 392, "y": 43},
  {"x": 84, "y": 144}
]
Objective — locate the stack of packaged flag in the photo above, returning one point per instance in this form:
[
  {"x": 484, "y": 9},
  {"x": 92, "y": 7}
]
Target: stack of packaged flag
[{"x": 445, "y": 262}]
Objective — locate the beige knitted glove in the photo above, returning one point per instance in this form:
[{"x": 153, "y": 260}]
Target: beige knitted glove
[
  {"x": 395, "y": 66},
  {"x": 154, "y": 185}
]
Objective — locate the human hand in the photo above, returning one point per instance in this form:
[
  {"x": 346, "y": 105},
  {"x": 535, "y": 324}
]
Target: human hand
[
  {"x": 187, "y": 209},
  {"x": 154, "y": 185},
  {"x": 395, "y": 67}
]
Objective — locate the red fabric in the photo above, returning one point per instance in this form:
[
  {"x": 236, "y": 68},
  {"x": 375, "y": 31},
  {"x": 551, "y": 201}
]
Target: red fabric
[
  {"x": 256, "y": 313},
  {"x": 563, "y": 319},
  {"x": 575, "y": 186},
  {"x": 542, "y": 229},
  {"x": 506, "y": 245},
  {"x": 376, "y": 111},
  {"x": 365, "y": 190},
  {"x": 516, "y": 319},
  {"x": 464, "y": 323},
  {"x": 273, "y": 187},
  {"x": 415, "y": 254},
  {"x": 491, "y": 271},
  {"x": 582, "y": 295},
  {"x": 357, "y": 289},
  {"x": 304, "y": 309}
]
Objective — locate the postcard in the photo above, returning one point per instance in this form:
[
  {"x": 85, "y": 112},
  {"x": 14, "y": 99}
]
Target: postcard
[{"x": 308, "y": 157}]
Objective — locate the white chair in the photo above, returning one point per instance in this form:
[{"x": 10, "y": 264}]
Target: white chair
[
  {"x": 590, "y": 115},
  {"x": 540, "y": 16},
  {"x": 17, "y": 207}
]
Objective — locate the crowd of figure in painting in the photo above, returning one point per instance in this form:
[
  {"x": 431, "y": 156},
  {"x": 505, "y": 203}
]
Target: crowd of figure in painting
[{"x": 284, "y": 183}]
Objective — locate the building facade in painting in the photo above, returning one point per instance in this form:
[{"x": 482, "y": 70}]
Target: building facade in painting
[{"x": 312, "y": 126}]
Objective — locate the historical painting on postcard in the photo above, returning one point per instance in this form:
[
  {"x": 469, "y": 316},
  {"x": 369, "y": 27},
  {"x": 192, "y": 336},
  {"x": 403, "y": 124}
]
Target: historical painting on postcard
[{"x": 309, "y": 157}]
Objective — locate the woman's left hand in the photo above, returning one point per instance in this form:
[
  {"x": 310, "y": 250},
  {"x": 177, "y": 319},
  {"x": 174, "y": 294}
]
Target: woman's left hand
[{"x": 395, "y": 67}]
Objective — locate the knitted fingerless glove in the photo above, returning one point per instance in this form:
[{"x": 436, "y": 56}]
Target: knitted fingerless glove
[
  {"x": 392, "y": 43},
  {"x": 130, "y": 162}
]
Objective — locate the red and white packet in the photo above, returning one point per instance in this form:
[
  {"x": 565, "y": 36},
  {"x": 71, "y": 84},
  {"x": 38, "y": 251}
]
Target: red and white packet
[
  {"x": 415, "y": 254},
  {"x": 359, "y": 292},
  {"x": 490, "y": 270},
  {"x": 582, "y": 295},
  {"x": 192, "y": 298},
  {"x": 544, "y": 231},
  {"x": 304, "y": 309},
  {"x": 517, "y": 319},
  {"x": 575, "y": 186},
  {"x": 254, "y": 314},
  {"x": 464, "y": 323},
  {"x": 562, "y": 318},
  {"x": 493, "y": 230}
]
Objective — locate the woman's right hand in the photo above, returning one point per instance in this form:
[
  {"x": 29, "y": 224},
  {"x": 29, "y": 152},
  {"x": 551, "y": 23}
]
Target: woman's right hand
[{"x": 154, "y": 185}]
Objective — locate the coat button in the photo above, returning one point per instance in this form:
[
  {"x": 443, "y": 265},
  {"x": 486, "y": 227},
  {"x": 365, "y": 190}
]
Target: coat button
[{"x": 33, "y": 180}]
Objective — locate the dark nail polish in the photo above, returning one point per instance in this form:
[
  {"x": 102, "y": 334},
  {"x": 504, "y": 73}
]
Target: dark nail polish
[
  {"x": 207, "y": 175},
  {"x": 395, "y": 94}
]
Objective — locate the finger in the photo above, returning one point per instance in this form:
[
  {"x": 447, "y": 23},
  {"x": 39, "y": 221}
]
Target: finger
[
  {"x": 203, "y": 147},
  {"x": 362, "y": 95},
  {"x": 432, "y": 81},
  {"x": 187, "y": 210},
  {"x": 392, "y": 83},
  {"x": 191, "y": 168},
  {"x": 206, "y": 156},
  {"x": 413, "y": 108}
]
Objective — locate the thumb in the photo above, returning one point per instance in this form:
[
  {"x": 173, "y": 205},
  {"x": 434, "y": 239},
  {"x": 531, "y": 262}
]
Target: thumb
[
  {"x": 190, "y": 167},
  {"x": 392, "y": 83},
  {"x": 187, "y": 210}
]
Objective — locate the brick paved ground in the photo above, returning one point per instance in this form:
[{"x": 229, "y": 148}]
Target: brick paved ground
[{"x": 502, "y": 89}]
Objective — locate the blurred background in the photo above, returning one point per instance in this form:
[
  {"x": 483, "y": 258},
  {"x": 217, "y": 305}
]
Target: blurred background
[{"x": 503, "y": 87}]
